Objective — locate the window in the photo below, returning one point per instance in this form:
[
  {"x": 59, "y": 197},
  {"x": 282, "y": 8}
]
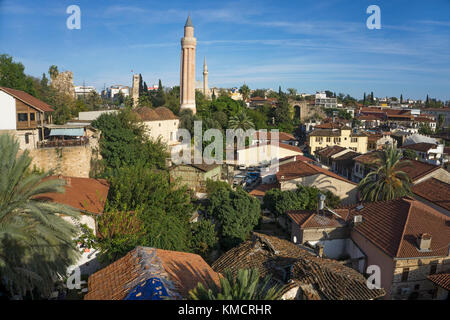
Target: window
[
  {"x": 22, "y": 116},
  {"x": 405, "y": 274},
  {"x": 328, "y": 139},
  {"x": 27, "y": 138},
  {"x": 354, "y": 139},
  {"x": 433, "y": 267},
  {"x": 32, "y": 117}
]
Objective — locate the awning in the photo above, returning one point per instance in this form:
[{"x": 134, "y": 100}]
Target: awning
[{"x": 71, "y": 132}]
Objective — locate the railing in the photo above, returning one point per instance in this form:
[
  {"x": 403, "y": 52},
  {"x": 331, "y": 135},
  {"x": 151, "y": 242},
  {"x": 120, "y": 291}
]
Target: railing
[{"x": 63, "y": 143}]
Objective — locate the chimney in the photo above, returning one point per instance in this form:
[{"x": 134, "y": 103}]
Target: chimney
[
  {"x": 424, "y": 242},
  {"x": 321, "y": 203},
  {"x": 319, "y": 250}
]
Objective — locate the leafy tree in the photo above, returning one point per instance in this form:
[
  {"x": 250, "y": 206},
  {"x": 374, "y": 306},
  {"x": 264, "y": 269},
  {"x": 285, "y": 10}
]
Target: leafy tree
[
  {"x": 123, "y": 141},
  {"x": 241, "y": 121},
  {"x": 388, "y": 181},
  {"x": 302, "y": 198},
  {"x": 283, "y": 112},
  {"x": 292, "y": 92},
  {"x": 53, "y": 72},
  {"x": 259, "y": 93},
  {"x": 244, "y": 90},
  {"x": 204, "y": 237},
  {"x": 247, "y": 285},
  {"x": 35, "y": 241},
  {"x": 236, "y": 213},
  {"x": 425, "y": 129},
  {"x": 440, "y": 121},
  {"x": 12, "y": 75},
  {"x": 158, "y": 97},
  {"x": 409, "y": 154}
]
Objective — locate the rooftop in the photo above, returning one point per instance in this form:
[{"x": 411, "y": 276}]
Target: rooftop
[
  {"x": 158, "y": 114},
  {"x": 421, "y": 146},
  {"x": 394, "y": 226},
  {"x": 179, "y": 272},
  {"x": 329, "y": 151},
  {"x": 84, "y": 194},
  {"x": 329, "y": 279},
  {"x": 441, "y": 279},
  {"x": 298, "y": 169},
  {"x": 28, "y": 99},
  {"x": 435, "y": 191}
]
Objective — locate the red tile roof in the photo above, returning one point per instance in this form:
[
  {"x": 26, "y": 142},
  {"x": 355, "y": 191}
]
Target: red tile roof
[
  {"x": 298, "y": 169},
  {"x": 84, "y": 194},
  {"x": 435, "y": 191},
  {"x": 28, "y": 99},
  {"x": 178, "y": 271},
  {"x": 421, "y": 146},
  {"x": 441, "y": 279},
  {"x": 281, "y": 135},
  {"x": 158, "y": 114},
  {"x": 260, "y": 190},
  {"x": 329, "y": 151},
  {"x": 394, "y": 227},
  {"x": 310, "y": 219}
]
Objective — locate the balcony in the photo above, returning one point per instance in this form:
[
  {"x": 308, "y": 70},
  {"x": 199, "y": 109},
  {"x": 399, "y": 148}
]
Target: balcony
[{"x": 60, "y": 143}]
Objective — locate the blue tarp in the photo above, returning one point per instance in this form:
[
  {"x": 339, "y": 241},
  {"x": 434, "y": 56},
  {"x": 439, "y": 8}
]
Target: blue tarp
[
  {"x": 72, "y": 132},
  {"x": 151, "y": 289}
]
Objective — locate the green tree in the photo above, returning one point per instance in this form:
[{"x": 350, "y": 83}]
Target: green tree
[
  {"x": 204, "y": 237},
  {"x": 409, "y": 154},
  {"x": 36, "y": 243},
  {"x": 425, "y": 129},
  {"x": 388, "y": 181},
  {"x": 236, "y": 213},
  {"x": 123, "y": 142},
  {"x": 247, "y": 285},
  {"x": 53, "y": 72},
  {"x": 12, "y": 75},
  {"x": 241, "y": 121},
  {"x": 244, "y": 90}
]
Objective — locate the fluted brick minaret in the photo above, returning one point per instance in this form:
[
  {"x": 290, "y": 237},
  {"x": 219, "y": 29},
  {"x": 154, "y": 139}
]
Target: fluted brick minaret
[{"x": 187, "y": 72}]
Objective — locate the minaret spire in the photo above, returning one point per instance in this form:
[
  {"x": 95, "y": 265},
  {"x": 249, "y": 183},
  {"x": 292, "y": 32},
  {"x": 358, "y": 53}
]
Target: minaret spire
[{"x": 187, "y": 72}]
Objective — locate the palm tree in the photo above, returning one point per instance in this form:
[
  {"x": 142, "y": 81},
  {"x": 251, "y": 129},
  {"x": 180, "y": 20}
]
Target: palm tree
[
  {"x": 246, "y": 286},
  {"x": 388, "y": 181},
  {"x": 36, "y": 243},
  {"x": 53, "y": 72},
  {"x": 241, "y": 121},
  {"x": 244, "y": 91}
]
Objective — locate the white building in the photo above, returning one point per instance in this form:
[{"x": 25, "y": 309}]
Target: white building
[
  {"x": 112, "y": 91},
  {"x": 81, "y": 91},
  {"x": 160, "y": 123},
  {"x": 263, "y": 154},
  {"x": 322, "y": 100},
  {"x": 23, "y": 116}
]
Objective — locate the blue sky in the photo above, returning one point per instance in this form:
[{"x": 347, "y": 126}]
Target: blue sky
[{"x": 307, "y": 45}]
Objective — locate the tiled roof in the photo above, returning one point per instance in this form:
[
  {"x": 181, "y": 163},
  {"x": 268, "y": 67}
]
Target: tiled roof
[
  {"x": 310, "y": 219},
  {"x": 394, "y": 227},
  {"x": 205, "y": 167},
  {"x": 418, "y": 169},
  {"x": 178, "y": 271},
  {"x": 84, "y": 194},
  {"x": 270, "y": 255},
  {"x": 423, "y": 119},
  {"x": 329, "y": 151},
  {"x": 369, "y": 117},
  {"x": 298, "y": 169},
  {"x": 421, "y": 146},
  {"x": 325, "y": 133},
  {"x": 441, "y": 279},
  {"x": 329, "y": 125},
  {"x": 435, "y": 191},
  {"x": 347, "y": 156},
  {"x": 368, "y": 158},
  {"x": 158, "y": 114},
  {"x": 28, "y": 99},
  {"x": 260, "y": 190},
  {"x": 281, "y": 135}
]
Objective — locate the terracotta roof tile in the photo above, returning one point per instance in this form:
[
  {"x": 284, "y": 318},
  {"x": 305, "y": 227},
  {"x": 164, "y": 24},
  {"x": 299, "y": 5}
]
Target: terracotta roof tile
[
  {"x": 260, "y": 190},
  {"x": 330, "y": 279},
  {"x": 281, "y": 135},
  {"x": 28, "y": 99},
  {"x": 441, "y": 279},
  {"x": 298, "y": 169},
  {"x": 421, "y": 146},
  {"x": 329, "y": 151},
  {"x": 435, "y": 191},
  {"x": 85, "y": 194},
  {"x": 178, "y": 271},
  {"x": 310, "y": 219},
  {"x": 158, "y": 114},
  {"x": 395, "y": 225}
]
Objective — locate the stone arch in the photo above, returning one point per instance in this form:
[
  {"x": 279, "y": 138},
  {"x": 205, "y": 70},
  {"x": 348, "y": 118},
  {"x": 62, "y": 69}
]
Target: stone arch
[{"x": 297, "y": 111}]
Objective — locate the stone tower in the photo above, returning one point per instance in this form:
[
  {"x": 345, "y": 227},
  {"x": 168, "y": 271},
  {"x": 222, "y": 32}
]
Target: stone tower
[
  {"x": 206, "y": 91},
  {"x": 135, "y": 89},
  {"x": 187, "y": 72}
]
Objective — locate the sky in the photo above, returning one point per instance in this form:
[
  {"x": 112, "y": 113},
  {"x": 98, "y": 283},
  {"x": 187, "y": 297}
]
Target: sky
[{"x": 307, "y": 45}]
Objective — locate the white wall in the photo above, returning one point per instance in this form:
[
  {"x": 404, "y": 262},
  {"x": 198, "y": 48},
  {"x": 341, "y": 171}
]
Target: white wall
[
  {"x": 164, "y": 129},
  {"x": 7, "y": 112},
  {"x": 263, "y": 154}
]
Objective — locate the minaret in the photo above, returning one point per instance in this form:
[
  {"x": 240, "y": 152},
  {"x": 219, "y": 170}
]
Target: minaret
[
  {"x": 187, "y": 72},
  {"x": 205, "y": 79}
]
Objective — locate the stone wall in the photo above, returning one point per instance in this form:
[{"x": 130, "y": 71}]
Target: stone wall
[
  {"x": 68, "y": 161},
  {"x": 64, "y": 83}
]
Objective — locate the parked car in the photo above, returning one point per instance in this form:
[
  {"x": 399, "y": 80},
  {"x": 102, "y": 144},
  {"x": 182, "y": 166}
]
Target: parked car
[{"x": 242, "y": 167}]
